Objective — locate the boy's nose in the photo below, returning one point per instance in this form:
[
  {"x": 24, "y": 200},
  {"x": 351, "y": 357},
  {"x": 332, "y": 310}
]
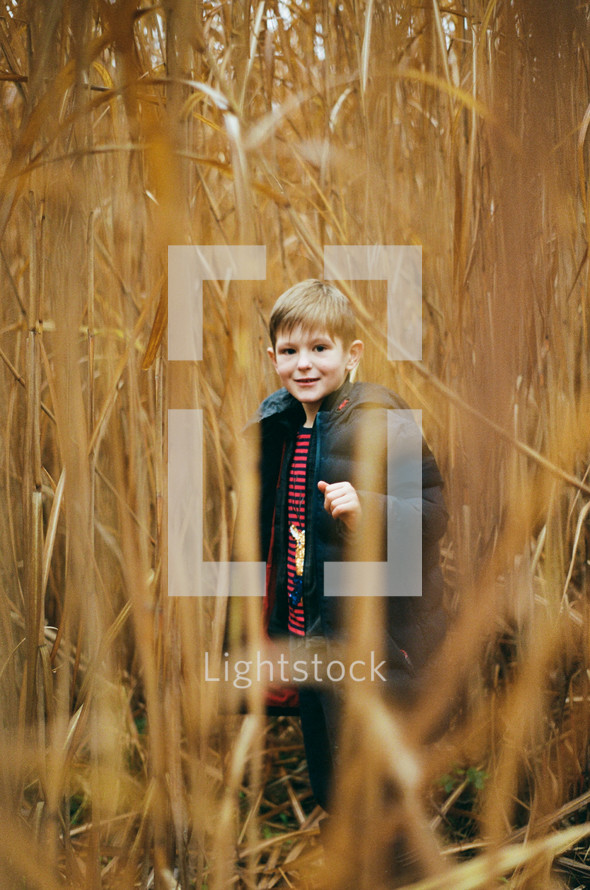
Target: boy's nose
[{"x": 304, "y": 359}]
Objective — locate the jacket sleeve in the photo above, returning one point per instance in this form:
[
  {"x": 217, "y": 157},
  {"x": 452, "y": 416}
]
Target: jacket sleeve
[
  {"x": 408, "y": 513},
  {"x": 434, "y": 511}
]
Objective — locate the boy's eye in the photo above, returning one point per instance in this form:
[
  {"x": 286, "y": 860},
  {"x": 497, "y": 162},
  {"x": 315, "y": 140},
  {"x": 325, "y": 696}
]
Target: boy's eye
[
  {"x": 321, "y": 347},
  {"x": 286, "y": 350}
]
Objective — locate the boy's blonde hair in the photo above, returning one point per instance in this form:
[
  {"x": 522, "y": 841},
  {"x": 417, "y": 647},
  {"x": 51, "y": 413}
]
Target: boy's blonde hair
[{"x": 313, "y": 305}]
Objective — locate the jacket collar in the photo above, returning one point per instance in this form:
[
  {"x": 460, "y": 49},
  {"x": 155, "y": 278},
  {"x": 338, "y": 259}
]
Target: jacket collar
[
  {"x": 334, "y": 399},
  {"x": 282, "y": 402}
]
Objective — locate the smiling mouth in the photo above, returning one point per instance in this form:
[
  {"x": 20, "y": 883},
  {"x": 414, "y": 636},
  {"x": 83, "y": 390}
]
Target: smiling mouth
[{"x": 307, "y": 380}]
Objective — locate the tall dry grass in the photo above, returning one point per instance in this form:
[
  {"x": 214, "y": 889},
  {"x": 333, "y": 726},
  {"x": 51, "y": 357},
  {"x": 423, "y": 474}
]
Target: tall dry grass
[{"x": 461, "y": 127}]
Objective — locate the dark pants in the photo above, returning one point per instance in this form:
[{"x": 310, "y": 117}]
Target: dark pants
[{"x": 319, "y": 724}]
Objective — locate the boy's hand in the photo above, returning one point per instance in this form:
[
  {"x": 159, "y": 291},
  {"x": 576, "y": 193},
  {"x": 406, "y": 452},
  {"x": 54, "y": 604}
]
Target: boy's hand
[{"x": 342, "y": 502}]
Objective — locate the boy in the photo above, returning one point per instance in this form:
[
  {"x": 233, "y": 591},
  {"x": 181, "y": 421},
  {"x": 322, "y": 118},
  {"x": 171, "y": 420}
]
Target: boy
[{"x": 312, "y": 506}]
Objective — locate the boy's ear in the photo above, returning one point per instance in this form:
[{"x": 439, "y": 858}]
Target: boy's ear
[
  {"x": 272, "y": 356},
  {"x": 354, "y": 354}
]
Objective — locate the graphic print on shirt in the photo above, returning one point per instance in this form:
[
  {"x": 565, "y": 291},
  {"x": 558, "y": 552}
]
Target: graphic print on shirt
[{"x": 296, "y": 533}]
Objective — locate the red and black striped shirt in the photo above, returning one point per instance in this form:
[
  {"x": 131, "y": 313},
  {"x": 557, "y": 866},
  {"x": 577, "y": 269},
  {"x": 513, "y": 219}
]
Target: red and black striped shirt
[{"x": 296, "y": 517}]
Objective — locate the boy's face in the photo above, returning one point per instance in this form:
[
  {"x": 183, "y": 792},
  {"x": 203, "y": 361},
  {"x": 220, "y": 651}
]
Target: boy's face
[{"x": 312, "y": 364}]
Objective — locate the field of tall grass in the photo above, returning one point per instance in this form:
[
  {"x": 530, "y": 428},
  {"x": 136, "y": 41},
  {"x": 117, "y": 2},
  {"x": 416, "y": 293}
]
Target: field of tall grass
[{"x": 459, "y": 126}]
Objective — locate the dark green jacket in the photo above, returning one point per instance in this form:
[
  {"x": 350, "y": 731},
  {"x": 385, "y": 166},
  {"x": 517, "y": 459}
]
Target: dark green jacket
[{"x": 415, "y": 625}]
